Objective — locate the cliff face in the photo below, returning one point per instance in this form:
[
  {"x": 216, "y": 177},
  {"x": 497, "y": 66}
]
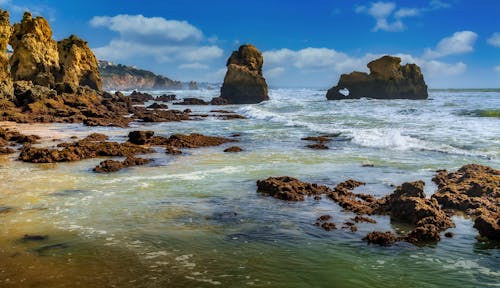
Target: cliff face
[
  {"x": 6, "y": 89},
  {"x": 244, "y": 83},
  {"x": 35, "y": 56},
  {"x": 121, "y": 77},
  {"x": 78, "y": 64},
  {"x": 387, "y": 80}
]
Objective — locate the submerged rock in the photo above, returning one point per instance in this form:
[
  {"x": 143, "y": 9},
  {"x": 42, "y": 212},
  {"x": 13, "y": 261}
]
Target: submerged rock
[
  {"x": 387, "y": 80},
  {"x": 113, "y": 165},
  {"x": 83, "y": 149},
  {"x": 244, "y": 83},
  {"x": 192, "y": 101},
  {"x": 290, "y": 189},
  {"x": 475, "y": 190},
  {"x": 233, "y": 149},
  {"x": 381, "y": 238}
]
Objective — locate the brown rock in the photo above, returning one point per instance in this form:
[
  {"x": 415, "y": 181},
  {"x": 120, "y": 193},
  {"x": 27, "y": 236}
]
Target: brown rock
[
  {"x": 475, "y": 190},
  {"x": 244, "y": 83},
  {"x": 166, "y": 98},
  {"x": 424, "y": 233},
  {"x": 35, "y": 56},
  {"x": 195, "y": 140},
  {"x": 157, "y": 106},
  {"x": 488, "y": 224},
  {"x": 219, "y": 101},
  {"x": 318, "y": 146},
  {"x": 192, "y": 101},
  {"x": 140, "y": 97},
  {"x": 233, "y": 149},
  {"x": 6, "y": 89},
  {"x": 113, "y": 166},
  {"x": 172, "y": 151},
  {"x": 83, "y": 149},
  {"x": 361, "y": 219},
  {"x": 140, "y": 137},
  {"x": 387, "y": 80},
  {"x": 290, "y": 189},
  {"x": 78, "y": 64},
  {"x": 381, "y": 238}
]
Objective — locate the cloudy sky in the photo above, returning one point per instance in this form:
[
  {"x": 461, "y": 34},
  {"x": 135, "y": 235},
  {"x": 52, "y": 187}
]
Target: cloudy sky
[{"x": 305, "y": 43}]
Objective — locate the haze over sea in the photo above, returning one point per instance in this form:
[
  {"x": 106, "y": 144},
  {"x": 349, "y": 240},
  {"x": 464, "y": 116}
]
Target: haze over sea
[{"x": 196, "y": 220}]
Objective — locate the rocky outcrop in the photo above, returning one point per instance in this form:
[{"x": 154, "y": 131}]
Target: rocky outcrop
[
  {"x": 86, "y": 148},
  {"x": 122, "y": 77},
  {"x": 78, "y": 65},
  {"x": 289, "y": 188},
  {"x": 6, "y": 89},
  {"x": 35, "y": 56},
  {"x": 244, "y": 83},
  {"x": 108, "y": 166},
  {"x": 475, "y": 190},
  {"x": 387, "y": 80}
]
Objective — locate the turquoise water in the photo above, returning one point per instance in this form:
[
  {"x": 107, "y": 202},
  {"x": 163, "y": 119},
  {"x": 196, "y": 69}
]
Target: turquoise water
[{"x": 195, "y": 220}]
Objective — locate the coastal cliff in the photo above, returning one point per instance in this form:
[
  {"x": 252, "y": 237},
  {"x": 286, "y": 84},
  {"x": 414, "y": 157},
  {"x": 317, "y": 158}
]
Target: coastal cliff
[{"x": 121, "y": 77}]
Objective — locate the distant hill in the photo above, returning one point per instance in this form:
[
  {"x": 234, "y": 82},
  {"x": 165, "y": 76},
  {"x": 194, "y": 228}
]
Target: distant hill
[{"x": 121, "y": 77}]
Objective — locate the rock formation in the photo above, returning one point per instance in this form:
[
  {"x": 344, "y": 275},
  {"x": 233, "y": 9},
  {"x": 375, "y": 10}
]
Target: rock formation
[
  {"x": 387, "y": 80},
  {"x": 244, "y": 83},
  {"x": 78, "y": 64},
  {"x": 35, "y": 56},
  {"x": 6, "y": 90}
]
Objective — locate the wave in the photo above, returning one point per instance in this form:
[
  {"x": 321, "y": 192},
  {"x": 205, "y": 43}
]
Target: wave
[{"x": 383, "y": 138}]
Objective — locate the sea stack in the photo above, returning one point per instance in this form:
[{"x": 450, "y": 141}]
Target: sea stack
[
  {"x": 387, "y": 80},
  {"x": 6, "y": 90},
  {"x": 244, "y": 83},
  {"x": 78, "y": 64},
  {"x": 35, "y": 55}
]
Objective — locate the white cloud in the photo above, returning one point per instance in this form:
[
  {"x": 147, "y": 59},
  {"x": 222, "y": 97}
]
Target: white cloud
[
  {"x": 406, "y": 12},
  {"x": 149, "y": 29},
  {"x": 380, "y": 11},
  {"x": 274, "y": 72},
  {"x": 497, "y": 69},
  {"x": 494, "y": 40},
  {"x": 194, "y": 66},
  {"x": 459, "y": 43},
  {"x": 388, "y": 18},
  {"x": 156, "y": 37}
]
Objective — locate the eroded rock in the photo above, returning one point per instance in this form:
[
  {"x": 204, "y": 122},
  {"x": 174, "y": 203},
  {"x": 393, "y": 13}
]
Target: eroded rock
[
  {"x": 289, "y": 188},
  {"x": 243, "y": 83},
  {"x": 387, "y": 80},
  {"x": 108, "y": 166},
  {"x": 6, "y": 88}
]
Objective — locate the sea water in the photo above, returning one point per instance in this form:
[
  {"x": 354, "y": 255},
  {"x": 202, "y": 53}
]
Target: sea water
[{"x": 196, "y": 220}]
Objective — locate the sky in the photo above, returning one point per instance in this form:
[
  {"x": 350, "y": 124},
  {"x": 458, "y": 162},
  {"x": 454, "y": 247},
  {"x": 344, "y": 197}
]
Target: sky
[{"x": 305, "y": 43}]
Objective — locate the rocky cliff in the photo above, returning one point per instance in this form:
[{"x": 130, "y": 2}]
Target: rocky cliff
[
  {"x": 78, "y": 65},
  {"x": 387, "y": 80},
  {"x": 244, "y": 82},
  {"x": 35, "y": 56},
  {"x": 5, "y": 79},
  {"x": 121, "y": 77}
]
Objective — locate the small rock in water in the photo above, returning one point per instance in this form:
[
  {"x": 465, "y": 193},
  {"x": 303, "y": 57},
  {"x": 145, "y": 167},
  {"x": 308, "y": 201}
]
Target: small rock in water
[
  {"x": 34, "y": 237},
  {"x": 233, "y": 149},
  {"x": 5, "y": 209},
  {"x": 318, "y": 146},
  {"x": 449, "y": 234},
  {"x": 381, "y": 238}
]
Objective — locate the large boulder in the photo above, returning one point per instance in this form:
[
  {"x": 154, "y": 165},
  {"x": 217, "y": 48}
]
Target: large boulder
[
  {"x": 6, "y": 90},
  {"x": 387, "y": 80},
  {"x": 244, "y": 83},
  {"x": 35, "y": 56},
  {"x": 78, "y": 64}
]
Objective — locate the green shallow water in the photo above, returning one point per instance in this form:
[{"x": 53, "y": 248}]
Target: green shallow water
[{"x": 196, "y": 220}]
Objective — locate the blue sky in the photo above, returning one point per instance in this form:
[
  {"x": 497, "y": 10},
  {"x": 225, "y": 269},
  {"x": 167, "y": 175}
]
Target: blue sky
[{"x": 305, "y": 43}]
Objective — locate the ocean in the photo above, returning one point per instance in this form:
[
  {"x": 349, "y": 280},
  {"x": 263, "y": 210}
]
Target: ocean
[{"x": 196, "y": 220}]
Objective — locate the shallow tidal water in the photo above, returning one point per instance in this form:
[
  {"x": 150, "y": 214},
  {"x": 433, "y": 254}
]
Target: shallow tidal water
[{"x": 195, "y": 220}]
